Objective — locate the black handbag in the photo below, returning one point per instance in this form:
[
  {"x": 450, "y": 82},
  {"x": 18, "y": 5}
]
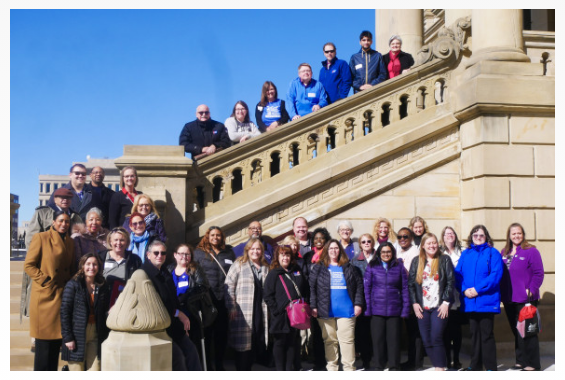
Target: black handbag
[{"x": 209, "y": 311}]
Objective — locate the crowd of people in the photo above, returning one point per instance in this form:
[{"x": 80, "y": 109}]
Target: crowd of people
[
  {"x": 362, "y": 292},
  {"x": 205, "y": 136}
]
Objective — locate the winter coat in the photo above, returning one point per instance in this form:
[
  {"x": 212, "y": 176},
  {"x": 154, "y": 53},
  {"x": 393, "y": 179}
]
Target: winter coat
[
  {"x": 239, "y": 297},
  {"x": 446, "y": 281},
  {"x": 320, "y": 288},
  {"x": 120, "y": 206},
  {"x": 196, "y": 135},
  {"x": 367, "y": 68},
  {"x": 276, "y": 298},
  {"x": 479, "y": 267},
  {"x": 50, "y": 264},
  {"x": 406, "y": 61},
  {"x": 386, "y": 290},
  {"x": 89, "y": 200},
  {"x": 154, "y": 227},
  {"x": 75, "y": 310},
  {"x": 525, "y": 272},
  {"x": 214, "y": 274},
  {"x": 300, "y": 98},
  {"x": 336, "y": 80},
  {"x": 85, "y": 242}
]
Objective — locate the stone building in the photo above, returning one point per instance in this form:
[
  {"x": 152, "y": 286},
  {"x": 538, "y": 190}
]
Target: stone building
[
  {"x": 466, "y": 137},
  {"x": 48, "y": 183}
]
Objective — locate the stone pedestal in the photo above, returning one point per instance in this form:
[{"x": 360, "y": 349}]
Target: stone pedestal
[{"x": 127, "y": 351}]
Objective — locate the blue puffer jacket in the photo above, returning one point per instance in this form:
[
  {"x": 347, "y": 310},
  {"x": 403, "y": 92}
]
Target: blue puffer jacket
[
  {"x": 480, "y": 267},
  {"x": 367, "y": 68},
  {"x": 386, "y": 291}
]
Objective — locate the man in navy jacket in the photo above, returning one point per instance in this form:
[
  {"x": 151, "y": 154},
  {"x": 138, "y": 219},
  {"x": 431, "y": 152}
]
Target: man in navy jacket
[
  {"x": 204, "y": 136},
  {"x": 334, "y": 75},
  {"x": 367, "y": 66}
]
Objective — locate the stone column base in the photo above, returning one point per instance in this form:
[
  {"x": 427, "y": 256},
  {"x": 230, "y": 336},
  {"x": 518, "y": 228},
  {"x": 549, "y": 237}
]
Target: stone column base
[{"x": 126, "y": 351}]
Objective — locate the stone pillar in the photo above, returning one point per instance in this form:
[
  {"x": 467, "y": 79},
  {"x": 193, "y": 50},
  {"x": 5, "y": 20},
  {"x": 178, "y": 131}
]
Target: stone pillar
[
  {"x": 163, "y": 172},
  {"x": 138, "y": 319},
  {"x": 452, "y": 15},
  {"x": 497, "y": 36},
  {"x": 407, "y": 23}
]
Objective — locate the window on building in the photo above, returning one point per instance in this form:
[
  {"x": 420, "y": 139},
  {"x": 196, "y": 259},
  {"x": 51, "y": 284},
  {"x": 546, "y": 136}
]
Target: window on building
[
  {"x": 55, "y": 186},
  {"x": 47, "y": 187},
  {"x": 41, "y": 187}
]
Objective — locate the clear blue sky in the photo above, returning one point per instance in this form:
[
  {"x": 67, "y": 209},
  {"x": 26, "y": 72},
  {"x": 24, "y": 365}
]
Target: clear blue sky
[{"x": 86, "y": 82}]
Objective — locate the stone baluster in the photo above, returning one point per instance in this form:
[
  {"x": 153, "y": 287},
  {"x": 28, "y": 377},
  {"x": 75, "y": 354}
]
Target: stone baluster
[
  {"x": 430, "y": 99},
  {"x": 340, "y": 135},
  {"x": 226, "y": 186},
  {"x": 412, "y": 109},
  {"x": 137, "y": 340},
  {"x": 322, "y": 146},
  {"x": 303, "y": 152},
  {"x": 394, "y": 108},
  {"x": 285, "y": 158},
  {"x": 357, "y": 127}
]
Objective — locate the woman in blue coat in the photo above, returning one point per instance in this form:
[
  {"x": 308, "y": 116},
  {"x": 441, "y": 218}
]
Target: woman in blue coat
[{"x": 477, "y": 278}]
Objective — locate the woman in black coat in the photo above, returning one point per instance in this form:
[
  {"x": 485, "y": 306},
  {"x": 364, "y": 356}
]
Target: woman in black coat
[
  {"x": 396, "y": 61},
  {"x": 83, "y": 316},
  {"x": 286, "y": 338}
]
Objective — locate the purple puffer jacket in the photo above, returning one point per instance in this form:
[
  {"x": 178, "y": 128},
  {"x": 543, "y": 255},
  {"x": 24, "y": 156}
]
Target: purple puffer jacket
[{"x": 386, "y": 291}]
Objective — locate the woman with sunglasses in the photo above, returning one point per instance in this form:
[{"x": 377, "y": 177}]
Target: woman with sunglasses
[
  {"x": 140, "y": 238},
  {"x": 122, "y": 201},
  {"x": 144, "y": 205},
  {"x": 216, "y": 257},
  {"x": 406, "y": 250},
  {"x": 478, "y": 274}
]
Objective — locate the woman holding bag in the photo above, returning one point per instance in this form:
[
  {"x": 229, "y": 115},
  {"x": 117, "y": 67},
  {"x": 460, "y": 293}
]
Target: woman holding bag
[{"x": 284, "y": 271}]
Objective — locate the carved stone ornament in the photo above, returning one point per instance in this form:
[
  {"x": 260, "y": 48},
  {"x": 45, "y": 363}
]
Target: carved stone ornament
[
  {"x": 450, "y": 42},
  {"x": 138, "y": 308}
]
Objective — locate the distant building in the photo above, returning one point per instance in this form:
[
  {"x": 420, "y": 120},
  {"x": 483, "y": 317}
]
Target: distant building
[
  {"x": 14, "y": 226},
  {"x": 48, "y": 183}
]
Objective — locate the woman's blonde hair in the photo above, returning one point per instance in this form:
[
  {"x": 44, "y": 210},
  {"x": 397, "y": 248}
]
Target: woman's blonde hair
[
  {"x": 391, "y": 234},
  {"x": 423, "y": 258},
  {"x": 245, "y": 257},
  {"x": 418, "y": 219},
  {"x": 118, "y": 230},
  {"x": 138, "y": 198}
]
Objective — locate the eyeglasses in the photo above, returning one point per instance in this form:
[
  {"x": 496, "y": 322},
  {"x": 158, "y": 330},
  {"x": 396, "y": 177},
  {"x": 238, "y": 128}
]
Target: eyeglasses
[
  {"x": 344, "y": 230},
  {"x": 240, "y": 109},
  {"x": 162, "y": 253},
  {"x": 80, "y": 174},
  {"x": 329, "y": 51},
  {"x": 144, "y": 205},
  {"x": 366, "y": 241},
  {"x": 400, "y": 237},
  {"x": 386, "y": 252},
  {"x": 135, "y": 224},
  {"x": 449, "y": 234},
  {"x": 255, "y": 228},
  {"x": 184, "y": 254},
  {"x": 478, "y": 236},
  {"x": 203, "y": 113}
]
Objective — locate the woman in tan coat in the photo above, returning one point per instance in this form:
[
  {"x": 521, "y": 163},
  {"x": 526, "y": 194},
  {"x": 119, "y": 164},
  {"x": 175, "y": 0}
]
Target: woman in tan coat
[{"x": 50, "y": 264}]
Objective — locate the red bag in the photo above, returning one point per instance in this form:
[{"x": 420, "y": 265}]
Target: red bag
[
  {"x": 529, "y": 321},
  {"x": 298, "y": 311}
]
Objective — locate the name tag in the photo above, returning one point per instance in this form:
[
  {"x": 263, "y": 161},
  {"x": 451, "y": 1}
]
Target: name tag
[
  {"x": 296, "y": 273},
  {"x": 311, "y": 94},
  {"x": 359, "y": 66},
  {"x": 522, "y": 258},
  {"x": 333, "y": 71},
  {"x": 183, "y": 284},
  {"x": 228, "y": 261},
  {"x": 109, "y": 265},
  {"x": 260, "y": 108}
]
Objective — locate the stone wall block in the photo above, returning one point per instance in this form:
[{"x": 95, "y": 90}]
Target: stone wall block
[
  {"x": 547, "y": 289},
  {"x": 532, "y": 130},
  {"x": 387, "y": 206},
  {"x": 497, "y": 160},
  {"x": 438, "y": 208},
  {"x": 547, "y": 251},
  {"x": 545, "y": 224},
  {"x": 433, "y": 185},
  {"x": 485, "y": 192},
  {"x": 497, "y": 222},
  {"x": 484, "y": 129},
  {"x": 533, "y": 192},
  {"x": 544, "y": 160}
]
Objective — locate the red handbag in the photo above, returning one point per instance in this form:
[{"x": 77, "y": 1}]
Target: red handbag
[{"x": 298, "y": 311}]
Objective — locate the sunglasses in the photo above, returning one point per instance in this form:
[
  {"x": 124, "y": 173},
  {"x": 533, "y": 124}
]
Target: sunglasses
[
  {"x": 204, "y": 113},
  {"x": 214, "y": 228},
  {"x": 162, "y": 253},
  {"x": 135, "y": 224},
  {"x": 366, "y": 241},
  {"x": 329, "y": 51},
  {"x": 403, "y": 237},
  {"x": 80, "y": 174}
]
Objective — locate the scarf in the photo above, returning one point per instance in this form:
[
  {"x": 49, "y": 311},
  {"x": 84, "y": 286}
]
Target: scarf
[
  {"x": 317, "y": 253},
  {"x": 394, "y": 65},
  {"x": 138, "y": 244},
  {"x": 150, "y": 218}
]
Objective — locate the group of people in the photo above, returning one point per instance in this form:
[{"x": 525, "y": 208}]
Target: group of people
[
  {"x": 205, "y": 136},
  {"x": 362, "y": 292}
]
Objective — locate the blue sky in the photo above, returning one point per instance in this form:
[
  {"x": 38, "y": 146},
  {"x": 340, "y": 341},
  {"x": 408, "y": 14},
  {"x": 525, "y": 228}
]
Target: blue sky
[{"x": 86, "y": 82}]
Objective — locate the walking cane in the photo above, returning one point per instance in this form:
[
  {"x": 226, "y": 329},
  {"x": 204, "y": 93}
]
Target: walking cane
[{"x": 202, "y": 341}]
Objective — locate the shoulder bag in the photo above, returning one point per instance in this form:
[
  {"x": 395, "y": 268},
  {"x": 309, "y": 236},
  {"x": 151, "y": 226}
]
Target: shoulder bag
[{"x": 298, "y": 311}]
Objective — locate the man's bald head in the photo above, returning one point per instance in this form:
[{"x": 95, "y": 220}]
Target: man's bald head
[{"x": 203, "y": 112}]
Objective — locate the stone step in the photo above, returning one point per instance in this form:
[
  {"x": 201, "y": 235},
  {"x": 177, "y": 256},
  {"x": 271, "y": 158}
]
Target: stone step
[
  {"x": 16, "y": 266},
  {"x": 14, "y": 306},
  {"x": 15, "y": 291},
  {"x": 21, "y": 359},
  {"x": 16, "y": 277},
  {"x": 15, "y": 323},
  {"x": 20, "y": 339}
]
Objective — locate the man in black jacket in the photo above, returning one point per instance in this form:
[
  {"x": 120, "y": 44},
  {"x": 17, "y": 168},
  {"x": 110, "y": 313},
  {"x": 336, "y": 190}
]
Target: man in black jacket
[
  {"x": 204, "y": 136},
  {"x": 185, "y": 355},
  {"x": 97, "y": 175}
]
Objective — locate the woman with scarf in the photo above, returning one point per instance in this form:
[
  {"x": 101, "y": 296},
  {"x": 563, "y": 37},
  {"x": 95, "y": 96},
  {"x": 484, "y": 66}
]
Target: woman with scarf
[
  {"x": 122, "y": 201},
  {"x": 144, "y": 205},
  {"x": 140, "y": 238},
  {"x": 91, "y": 236},
  {"x": 396, "y": 61}
]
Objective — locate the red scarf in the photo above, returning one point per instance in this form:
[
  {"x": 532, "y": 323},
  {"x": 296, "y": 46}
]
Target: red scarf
[
  {"x": 393, "y": 65},
  {"x": 131, "y": 197},
  {"x": 317, "y": 253}
]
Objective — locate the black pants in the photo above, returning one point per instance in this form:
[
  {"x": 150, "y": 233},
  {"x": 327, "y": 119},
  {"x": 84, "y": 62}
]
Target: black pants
[
  {"x": 284, "y": 350},
  {"x": 482, "y": 336},
  {"x": 363, "y": 341},
  {"x": 216, "y": 337},
  {"x": 453, "y": 334},
  {"x": 318, "y": 344},
  {"x": 244, "y": 360},
  {"x": 46, "y": 354},
  {"x": 385, "y": 332},
  {"x": 185, "y": 355},
  {"x": 415, "y": 345},
  {"x": 527, "y": 349}
]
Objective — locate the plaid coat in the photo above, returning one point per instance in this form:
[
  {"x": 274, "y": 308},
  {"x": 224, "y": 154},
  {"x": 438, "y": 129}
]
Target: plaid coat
[{"x": 239, "y": 290}]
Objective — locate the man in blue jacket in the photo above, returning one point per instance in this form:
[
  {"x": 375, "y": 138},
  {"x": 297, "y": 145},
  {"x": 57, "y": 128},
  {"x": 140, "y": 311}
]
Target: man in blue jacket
[
  {"x": 334, "y": 75},
  {"x": 305, "y": 95},
  {"x": 367, "y": 66}
]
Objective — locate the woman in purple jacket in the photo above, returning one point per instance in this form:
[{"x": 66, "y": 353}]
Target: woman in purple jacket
[
  {"x": 520, "y": 284},
  {"x": 386, "y": 295}
]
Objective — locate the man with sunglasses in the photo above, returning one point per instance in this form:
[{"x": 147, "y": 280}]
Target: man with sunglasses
[
  {"x": 204, "y": 136},
  {"x": 83, "y": 197},
  {"x": 185, "y": 355},
  {"x": 335, "y": 75}
]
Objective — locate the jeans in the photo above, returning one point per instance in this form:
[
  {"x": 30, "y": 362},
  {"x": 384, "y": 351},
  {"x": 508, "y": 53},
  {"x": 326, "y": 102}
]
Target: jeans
[{"x": 432, "y": 328}]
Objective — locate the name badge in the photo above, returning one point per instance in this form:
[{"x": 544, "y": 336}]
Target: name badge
[
  {"x": 359, "y": 66},
  {"x": 311, "y": 94},
  {"x": 109, "y": 265},
  {"x": 296, "y": 273},
  {"x": 183, "y": 284},
  {"x": 228, "y": 261},
  {"x": 260, "y": 108}
]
